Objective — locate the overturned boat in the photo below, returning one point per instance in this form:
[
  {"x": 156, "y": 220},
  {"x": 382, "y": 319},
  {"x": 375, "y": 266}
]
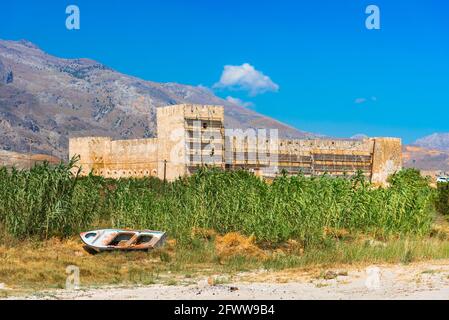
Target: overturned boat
[{"x": 119, "y": 239}]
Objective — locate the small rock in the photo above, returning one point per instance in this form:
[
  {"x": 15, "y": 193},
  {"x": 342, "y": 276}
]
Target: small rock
[
  {"x": 328, "y": 275},
  {"x": 375, "y": 243},
  {"x": 203, "y": 283}
]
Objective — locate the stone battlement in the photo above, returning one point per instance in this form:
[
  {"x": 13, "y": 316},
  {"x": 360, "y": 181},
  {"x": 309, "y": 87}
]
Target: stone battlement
[{"x": 190, "y": 136}]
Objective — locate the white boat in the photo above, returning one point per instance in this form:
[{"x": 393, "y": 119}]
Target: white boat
[{"x": 120, "y": 239}]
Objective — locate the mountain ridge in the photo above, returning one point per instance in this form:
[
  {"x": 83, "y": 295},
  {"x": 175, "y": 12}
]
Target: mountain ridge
[
  {"x": 44, "y": 100},
  {"x": 428, "y": 153},
  {"x": 438, "y": 141}
]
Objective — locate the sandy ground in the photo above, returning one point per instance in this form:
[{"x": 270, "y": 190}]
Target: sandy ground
[{"x": 429, "y": 280}]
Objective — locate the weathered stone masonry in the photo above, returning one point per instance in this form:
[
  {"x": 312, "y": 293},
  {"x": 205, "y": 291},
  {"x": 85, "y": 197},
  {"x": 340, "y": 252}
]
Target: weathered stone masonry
[{"x": 190, "y": 136}]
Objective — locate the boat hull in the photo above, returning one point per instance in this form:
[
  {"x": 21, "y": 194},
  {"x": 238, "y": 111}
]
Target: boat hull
[{"x": 120, "y": 239}]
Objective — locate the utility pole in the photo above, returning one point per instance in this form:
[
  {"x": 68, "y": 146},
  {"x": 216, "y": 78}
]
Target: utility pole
[
  {"x": 165, "y": 171},
  {"x": 29, "y": 152}
]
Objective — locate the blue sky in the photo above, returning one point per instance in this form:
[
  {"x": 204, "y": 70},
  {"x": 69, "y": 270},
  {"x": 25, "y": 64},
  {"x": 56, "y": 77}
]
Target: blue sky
[{"x": 329, "y": 74}]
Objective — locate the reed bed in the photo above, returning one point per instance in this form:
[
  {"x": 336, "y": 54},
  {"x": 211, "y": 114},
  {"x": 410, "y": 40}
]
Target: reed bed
[
  {"x": 54, "y": 201},
  {"x": 442, "y": 202}
]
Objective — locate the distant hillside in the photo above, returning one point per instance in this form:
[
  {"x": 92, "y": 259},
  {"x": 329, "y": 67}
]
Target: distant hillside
[
  {"x": 44, "y": 100},
  {"x": 24, "y": 160},
  {"x": 428, "y": 153},
  {"x": 425, "y": 159},
  {"x": 438, "y": 141}
]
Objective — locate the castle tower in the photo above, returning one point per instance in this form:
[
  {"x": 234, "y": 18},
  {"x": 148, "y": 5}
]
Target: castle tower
[{"x": 189, "y": 136}]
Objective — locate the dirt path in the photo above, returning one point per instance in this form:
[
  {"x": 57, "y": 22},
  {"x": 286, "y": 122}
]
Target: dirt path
[{"x": 428, "y": 280}]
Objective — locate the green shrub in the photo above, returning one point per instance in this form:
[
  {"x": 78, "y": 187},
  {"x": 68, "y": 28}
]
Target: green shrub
[
  {"x": 442, "y": 201},
  {"x": 46, "y": 201},
  {"x": 290, "y": 208}
]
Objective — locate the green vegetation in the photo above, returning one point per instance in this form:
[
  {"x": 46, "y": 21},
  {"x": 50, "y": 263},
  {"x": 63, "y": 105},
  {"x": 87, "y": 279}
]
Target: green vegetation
[
  {"x": 46, "y": 202},
  {"x": 217, "y": 221},
  {"x": 442, "y": 203},
  {"x": 290, "y": 208}
]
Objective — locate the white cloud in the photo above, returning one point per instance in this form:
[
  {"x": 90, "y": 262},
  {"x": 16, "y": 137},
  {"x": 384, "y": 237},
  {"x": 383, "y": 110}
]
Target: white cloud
[
  {"x": 239, "y": 102},
  {"x": 363, "y": 100},
  {"x": 246, "y": 77}
]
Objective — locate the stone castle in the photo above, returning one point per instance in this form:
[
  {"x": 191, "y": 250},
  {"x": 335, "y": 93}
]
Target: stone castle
[{"x": 192, "y": 136}]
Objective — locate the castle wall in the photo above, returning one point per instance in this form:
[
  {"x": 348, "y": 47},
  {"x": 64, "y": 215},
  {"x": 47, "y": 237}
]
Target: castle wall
[
  {"x": 190, "y": 136},
  {"x": 387, "y": 158},
  {"x": 116, "y": 159},
  {"x": 91, "y": 152}
]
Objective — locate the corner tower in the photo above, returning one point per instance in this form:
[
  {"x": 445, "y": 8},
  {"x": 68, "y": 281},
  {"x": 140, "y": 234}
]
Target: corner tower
[{"x": 189, "y": 136}]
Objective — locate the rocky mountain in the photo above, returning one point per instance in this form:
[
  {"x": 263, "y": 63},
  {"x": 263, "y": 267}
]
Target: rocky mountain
[
  {"x": 438, "y": 141},
  {"x": 44, "y": 100},
  {"x": 425, "y": 159},
  {"x": 428, "y": 153}
]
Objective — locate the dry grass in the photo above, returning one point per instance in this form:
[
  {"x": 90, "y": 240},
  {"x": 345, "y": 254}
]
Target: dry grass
[
  {"x": 335, "y": 233},
  {"x": 43, "y": 265},
  {"x": 440, "y": 228},
  {"x": 36, "y": 265},
  {"x": 234, "y": 244}
]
